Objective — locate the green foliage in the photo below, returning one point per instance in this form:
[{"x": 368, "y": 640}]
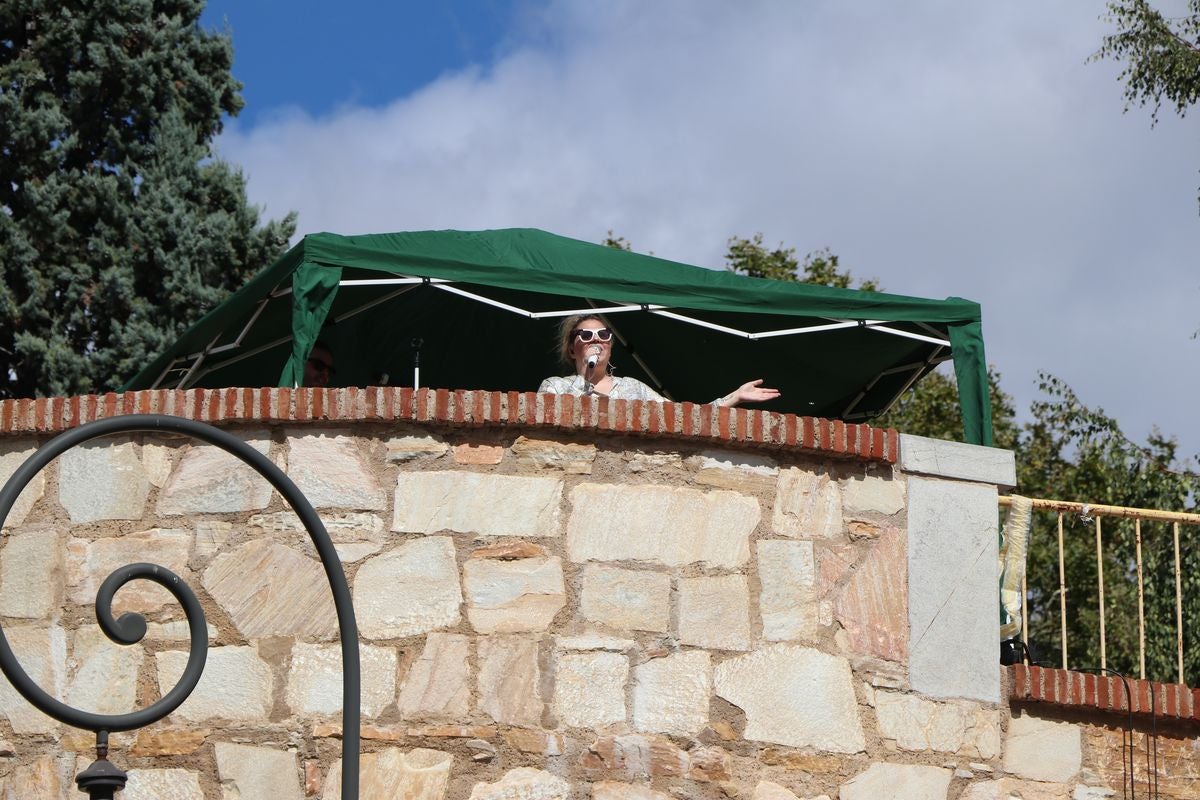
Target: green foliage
[
  {"x": 820, "y": 267},
  {"x": 1161, "y": 55},
  {"x": 616, "y": 242},
  {"x": 931, "y": 409},
  {"x": 1071, "y": 452},
  {"x": 118, "y": 227}
]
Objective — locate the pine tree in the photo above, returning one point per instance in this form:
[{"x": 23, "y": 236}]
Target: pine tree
[{"x": 118, "y": 226}]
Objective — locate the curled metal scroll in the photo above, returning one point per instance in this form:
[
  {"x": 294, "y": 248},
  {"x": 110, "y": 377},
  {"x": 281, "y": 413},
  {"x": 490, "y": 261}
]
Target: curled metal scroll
[{"x": 130, "y": 628}]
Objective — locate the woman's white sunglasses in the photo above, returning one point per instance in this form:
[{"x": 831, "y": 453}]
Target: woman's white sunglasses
[{"x": 587, "y": 334}]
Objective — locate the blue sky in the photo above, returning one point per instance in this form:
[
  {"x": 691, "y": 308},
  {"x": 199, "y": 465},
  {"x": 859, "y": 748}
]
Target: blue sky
[
  {"x": 321, "y": 56},
  {"x": 945, "y": 149}
]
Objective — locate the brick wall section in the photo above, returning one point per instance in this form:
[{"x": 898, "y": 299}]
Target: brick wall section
[
  {"x": 464, "y": 408},
  {"x": 1103, "y": 692}
]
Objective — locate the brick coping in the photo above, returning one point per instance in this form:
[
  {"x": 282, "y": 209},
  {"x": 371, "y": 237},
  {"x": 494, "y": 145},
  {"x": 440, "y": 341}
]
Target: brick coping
[
  {"x": 1088, "y": 690},
  {"x": 464, "y": 408}
]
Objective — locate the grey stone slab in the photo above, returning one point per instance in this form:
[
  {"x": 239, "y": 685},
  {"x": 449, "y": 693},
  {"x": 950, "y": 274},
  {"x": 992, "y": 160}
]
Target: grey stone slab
[
  {"x": 102, "y": 480},
  {"x": 952, "y": 589},
  {"x": 964, "y": 462}
]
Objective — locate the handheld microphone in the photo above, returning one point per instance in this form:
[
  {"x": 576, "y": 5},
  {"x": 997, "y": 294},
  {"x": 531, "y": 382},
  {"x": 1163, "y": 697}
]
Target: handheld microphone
[{"x": 592, "y": 357}]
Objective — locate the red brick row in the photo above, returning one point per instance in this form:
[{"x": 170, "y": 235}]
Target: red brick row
[
  {"x": 470, "y": 408},
  {"x": 1103, "y": 692}
]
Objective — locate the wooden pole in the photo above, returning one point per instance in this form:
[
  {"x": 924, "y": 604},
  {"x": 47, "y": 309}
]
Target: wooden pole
[
  {"x": 1100, "y": 584},
  {"x": 1137, "y": 535},
  {"x": 1062, "y": 590},
  {"x": 1178, "y": 605}
]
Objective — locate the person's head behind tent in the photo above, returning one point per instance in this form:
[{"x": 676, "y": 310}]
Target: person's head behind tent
[{"x": 318, "y": 369}]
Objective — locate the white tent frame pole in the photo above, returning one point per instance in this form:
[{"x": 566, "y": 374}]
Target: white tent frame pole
[
  {"x": 909, "y": 335},
  {"x": 199, "y": 360},
  {"x": 243, "y": 356}
]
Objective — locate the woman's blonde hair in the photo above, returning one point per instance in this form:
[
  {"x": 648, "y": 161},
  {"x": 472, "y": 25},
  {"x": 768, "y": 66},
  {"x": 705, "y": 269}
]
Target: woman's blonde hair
[{"x": 566, "y": 336}]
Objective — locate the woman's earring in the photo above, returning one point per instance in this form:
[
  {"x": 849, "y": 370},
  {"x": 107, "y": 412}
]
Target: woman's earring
[{"x": 609, "y": 368}]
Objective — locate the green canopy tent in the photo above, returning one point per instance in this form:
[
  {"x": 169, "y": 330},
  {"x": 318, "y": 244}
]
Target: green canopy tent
[{"x": 479, "y": 310}]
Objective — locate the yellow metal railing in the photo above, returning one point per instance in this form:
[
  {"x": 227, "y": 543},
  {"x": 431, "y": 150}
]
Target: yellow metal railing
[{"x": 1095, "y": 513}]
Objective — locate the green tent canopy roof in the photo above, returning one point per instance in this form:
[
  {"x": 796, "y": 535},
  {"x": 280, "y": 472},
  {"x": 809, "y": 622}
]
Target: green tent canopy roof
[{"x": 479, "y": 310}]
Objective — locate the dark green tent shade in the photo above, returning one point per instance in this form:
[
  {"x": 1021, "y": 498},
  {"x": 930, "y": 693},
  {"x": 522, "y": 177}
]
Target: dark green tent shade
[{"x": 480, "y": 309}]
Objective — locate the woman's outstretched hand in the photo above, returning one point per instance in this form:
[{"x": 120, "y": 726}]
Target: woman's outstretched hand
[{"x": 750, "y": 392}]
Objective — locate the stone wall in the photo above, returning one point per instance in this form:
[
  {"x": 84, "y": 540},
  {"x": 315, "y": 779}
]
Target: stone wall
[
  {"x": 1070, "y": 726},
  {"x": 557, "y": 598}
]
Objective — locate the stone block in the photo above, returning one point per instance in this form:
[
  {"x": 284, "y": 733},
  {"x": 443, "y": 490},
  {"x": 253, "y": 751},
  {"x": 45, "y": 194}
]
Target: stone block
[
  {"x": 637, "y": 755},
  {"x": 664, "y": 524},
  {"x": 509, "y": 680},
  {"x": 438, "y": 683},
  {"x": 315, "y": 679},
  {"x": 1043, "y": 749},
  {"x": 45, "y": 777},
  {"x": 163, "y": 784},
  {"x": 898, "y": 782},
  {"x": 538, "y": 454},
  {"x": 1009, "y": 788},
  {"x": 248, "y": 771},
  {"x": 808, "y": 505},
  {"x": 210, "y": 481},
  {"x": 787, "y": 601},
  {"x": 236, "y": 685},
  {"x": 612, "y": 790},
  {"x": 595, "y": 641},
  {"x": 639, "y": 461},
  {"x": 410, "y": 590},
  {"x": 626, "y": 599},
  {"x": 269, "y": 589},
  {"x": 715, "y": 612},
  {"x": 513, "y": 595},
  {"x": 474, "y": 502},
  {"x": 509, "y": 551},
  {"x": 795, "y": 696},
  {"x": 175, "y": 631},
  {"x": 589, "y": 688},
  {"x": 523, "y": 783},
  {"x": 957, "y": 461},
  {"x": 415, "y": 445},
  {"x": 982, "y": 739},
  {"x": 102, "y": 480},
  {"x": 342, "y": 526},
  {"x": 872, "y": 493},
  {"x": 89, "y": 563},
  {"x": 31, "y": 572},
  {"x": 916, "y": 723},
  {"x": 952, "y": 578},
  {"x": 211, "y": 537},
  {"x": 419, "y": 774},
  {"x": 538, "y": 742},
  {"x": 671, "y": 695},
  {"x": 42, "y": 653},
  {"x": 478, "y": 453},
  {"x": 332, "y": 472},
  {"x": 12, "y": 455},
  {"x": 742, "y": 472},
  {"x": 156, "y": 460},
  {"x": 871, "y": 605},
  {"x": 767, "y": 790},
  {"x": 169, "y": 742},
  {"x": 104, "y": 673}
]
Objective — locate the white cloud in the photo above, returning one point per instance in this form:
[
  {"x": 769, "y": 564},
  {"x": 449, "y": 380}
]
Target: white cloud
[{"x": 947, "y": 149}]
